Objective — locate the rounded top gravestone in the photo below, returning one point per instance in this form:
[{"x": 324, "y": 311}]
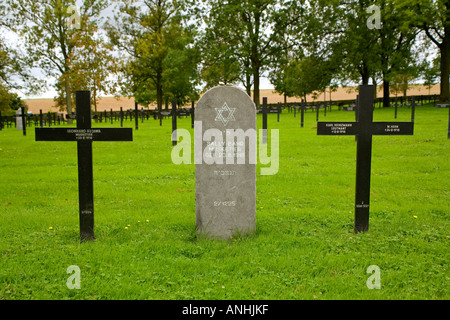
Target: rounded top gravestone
[
  {"x": 19, "y": 125},
  {"x": 225, "y": 157}
]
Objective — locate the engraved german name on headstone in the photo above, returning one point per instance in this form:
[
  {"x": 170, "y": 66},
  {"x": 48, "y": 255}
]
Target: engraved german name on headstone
[{"x": 225, "y": 157}]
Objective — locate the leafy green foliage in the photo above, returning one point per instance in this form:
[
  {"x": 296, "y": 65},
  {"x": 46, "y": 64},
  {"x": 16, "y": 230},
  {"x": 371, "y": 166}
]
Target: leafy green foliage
[
  {"x": 430, "y": 73},
  {"x": 50, "y": 38},
  {"x": 162, "y": 61},
  {"x": 433, "y": 18},
  {"x": 244, "y": 35},
  {"x": 8, "y": 68},
  {"x": 306, "y": 75}
]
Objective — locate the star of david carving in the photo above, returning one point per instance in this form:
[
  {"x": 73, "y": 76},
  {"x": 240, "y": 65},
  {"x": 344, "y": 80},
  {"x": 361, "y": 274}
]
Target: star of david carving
[{"x": 220, "y": 116}]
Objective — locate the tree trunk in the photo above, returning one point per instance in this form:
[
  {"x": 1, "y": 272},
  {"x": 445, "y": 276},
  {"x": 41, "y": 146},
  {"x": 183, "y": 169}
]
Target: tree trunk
[
  {"x": 159, "y": 95},
  {"x": 386, "y": 93},
  {"x": 248, "y": 86},
  {"x": 255, "y": 57},
  {"x": 256, "y": 86},
  {"x": 445, "y": 66},
  {"x": 365, "y": 79},
  {"x": 95, "y": 99},
  {"x": 365, "y": 75},
  {"x": 68, "y": 102},
  {"x": 248, "y": 77},
  {"x": 374, "y": 82}
]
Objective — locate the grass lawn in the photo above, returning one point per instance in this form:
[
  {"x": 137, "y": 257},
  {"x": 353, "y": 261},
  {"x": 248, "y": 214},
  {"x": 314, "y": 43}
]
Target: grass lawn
[{"x": 304, "y": 247}]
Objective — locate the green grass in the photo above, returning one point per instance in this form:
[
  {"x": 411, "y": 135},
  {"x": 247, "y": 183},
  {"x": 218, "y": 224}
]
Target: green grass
[{"x": 304, "y": 246}]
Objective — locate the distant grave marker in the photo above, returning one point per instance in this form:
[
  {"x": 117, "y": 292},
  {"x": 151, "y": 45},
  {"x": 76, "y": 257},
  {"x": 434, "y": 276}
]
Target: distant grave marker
[
  {"x": 136, "y": 116},
  {"x": 84, "y": 135},
  {"x": 448, "y": 130},
  {"x": 192, "y": 114},
  {"x": 445, "y": 105},
  {"x": 395, "y": 111},
  {"x": 174, "y": 122},
  {"x": 278, "y": 111},
  {"x": 317, "y": 111},
  {"x": 41, "y": 118},
  {"x": 302, "y": 113},
  {"x": 21, "y": 120},
  {"x": 264, "y": 120},
  {"x": 364, "y": 128}
]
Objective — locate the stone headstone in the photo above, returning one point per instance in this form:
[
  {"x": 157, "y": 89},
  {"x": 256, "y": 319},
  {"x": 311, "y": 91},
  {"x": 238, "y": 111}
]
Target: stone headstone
[
  {"x": 225, "y": 157},
  {"x": 19, "y": 125}
]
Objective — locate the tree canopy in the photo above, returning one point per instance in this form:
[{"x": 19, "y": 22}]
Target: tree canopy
[
  {"x": 158, "y": 50},
  {"x": 160, "y": 61}
]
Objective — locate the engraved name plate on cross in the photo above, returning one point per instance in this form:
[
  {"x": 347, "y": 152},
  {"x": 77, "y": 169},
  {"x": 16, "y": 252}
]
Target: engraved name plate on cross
[
  {"x": 84, "y": 134},
  {"x": 364, "y": 129}
]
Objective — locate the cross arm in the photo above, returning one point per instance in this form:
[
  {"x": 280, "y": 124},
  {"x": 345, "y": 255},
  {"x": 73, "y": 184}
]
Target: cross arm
[
  {"x": 393, "y": 128},
  {"x": 337, "y": 128},
  {"x": 94, "y": 134}
]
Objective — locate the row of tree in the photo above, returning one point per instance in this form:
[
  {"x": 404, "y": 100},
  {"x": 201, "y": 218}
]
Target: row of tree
[{"x": 157, "y": 50}]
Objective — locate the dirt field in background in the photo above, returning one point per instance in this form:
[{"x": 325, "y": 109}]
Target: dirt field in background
[{"x": 108, "y": 103}]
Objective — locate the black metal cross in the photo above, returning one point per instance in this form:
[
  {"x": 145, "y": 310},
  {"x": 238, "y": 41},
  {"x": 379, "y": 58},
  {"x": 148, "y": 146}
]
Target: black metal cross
[
  {"x": 448, "y": 131},
  {"x": 278, "y": 111},
  {"x": 192, "y": 114},
  {"x": 84, "y": 134},
  {"x": 174, "y": 122},
  {"x": 302, "y": 110},
  {"x": 136, "y": 115},
  {"x": 364, "y": 128},
  {"x": 264, "y": 120}
]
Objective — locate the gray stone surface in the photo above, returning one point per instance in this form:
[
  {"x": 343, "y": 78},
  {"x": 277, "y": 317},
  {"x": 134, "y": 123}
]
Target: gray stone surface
[
  {"x": 19, "y": 125},
  {"x": 225, "y": 193}
]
